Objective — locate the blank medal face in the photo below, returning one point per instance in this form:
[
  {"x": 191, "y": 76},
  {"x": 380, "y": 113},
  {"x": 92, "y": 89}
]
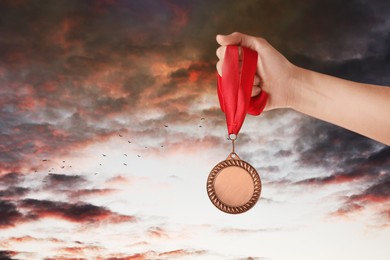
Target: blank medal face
[{"x": 233, "y": 186}]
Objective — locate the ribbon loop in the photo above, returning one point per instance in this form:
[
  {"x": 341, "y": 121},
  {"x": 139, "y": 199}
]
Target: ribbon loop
[{"x": 235, "y": 88}]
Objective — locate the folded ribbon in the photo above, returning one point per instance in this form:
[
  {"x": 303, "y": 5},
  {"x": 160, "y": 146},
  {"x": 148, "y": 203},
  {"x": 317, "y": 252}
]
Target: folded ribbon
[{"x": 235, "y": 88}]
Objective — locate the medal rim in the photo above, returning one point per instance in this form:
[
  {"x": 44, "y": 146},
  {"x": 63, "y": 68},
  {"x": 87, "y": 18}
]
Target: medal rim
[{"x": 211, "y": 189}]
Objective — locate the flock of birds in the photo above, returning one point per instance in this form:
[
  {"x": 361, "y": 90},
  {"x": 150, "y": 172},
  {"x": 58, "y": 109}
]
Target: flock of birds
[{"x": 52, "y": 169}]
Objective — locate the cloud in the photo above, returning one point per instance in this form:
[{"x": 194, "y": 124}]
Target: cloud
[
  {"x": 119, "y": 179},
  {"x": 181, "y": 253},
  {"x": 14, "y": 192},
  {"x": 345, "y": 158},
  {"x": 34, "y": 209},
  {"x": 85, "y": 250},
  {"x": 61, "y": 257},
  {"x": 247, "y": 231},
  {"x": 376, "y": 194},
  {"x": 178, "y": 253},
  {"x": 11, "y": 178},
  {"x": 157, "y": 232},
  {"x": 77, "y": 194},
  {"x": 57, "y": 181},
  {"x": 7, "y": 254},
  {"x": 28, "y": 238},
  {"x": 386, "y": 214},
  {"x": 10, "y": 214},
  {"x": 78, "y": 212}
]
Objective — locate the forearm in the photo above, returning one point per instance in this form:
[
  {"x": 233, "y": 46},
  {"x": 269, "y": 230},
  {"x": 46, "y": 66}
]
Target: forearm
[{"x": 362, "y": 108}]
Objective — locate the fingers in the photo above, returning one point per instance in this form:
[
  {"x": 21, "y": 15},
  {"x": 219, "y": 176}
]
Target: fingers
[
  {"x": 219, "y": 67},
  {"x": 241, "y": 39},
  {"x": 256, "y": 81},
  {"x": 221, "y": 52},
  {"x": 237, "y": 39},
  {"x": 255, "y": 91},
  {"x": 231, "y": 39},
  {"x": 256, "y": 86}
]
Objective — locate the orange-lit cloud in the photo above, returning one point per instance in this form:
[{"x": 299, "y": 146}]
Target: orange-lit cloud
[
  {"x": 157, "y": 232},
  {"x": 76, "y": 194},
  {"x": 178, "y": 253}
]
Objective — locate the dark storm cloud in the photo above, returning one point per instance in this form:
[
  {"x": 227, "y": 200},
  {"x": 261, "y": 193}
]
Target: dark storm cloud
[
  {"x": 12, "y": 178},
  {"x": 377, "y": 194},
  {"x": 14, "y": 192},
  {"x": 10, "y": 215},
  {"x": 56, "y": 181},
  {"x": 346, "y": 155},
  {"x": 33, "y": 209},
  {"x": 78, "y": 212},
  {"x": 7, "y": 254},
  {"x": 371, "y": 67},
  {"x": 347, "y": 158}
]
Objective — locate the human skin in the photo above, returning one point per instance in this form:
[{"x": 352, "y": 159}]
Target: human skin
[{"x": 362, "y": 108}]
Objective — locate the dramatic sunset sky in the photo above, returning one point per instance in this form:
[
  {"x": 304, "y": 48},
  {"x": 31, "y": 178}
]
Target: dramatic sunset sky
[{"x": 104, "y": 153}]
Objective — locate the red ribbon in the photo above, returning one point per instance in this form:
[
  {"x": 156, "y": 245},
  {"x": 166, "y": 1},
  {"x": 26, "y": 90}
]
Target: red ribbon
[{"x": 235, "y": 88}]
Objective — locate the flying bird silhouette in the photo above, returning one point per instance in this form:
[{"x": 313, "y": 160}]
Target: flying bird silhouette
[
  {"x": 120, "y": 135},
  {"x": 129, "y": 142},
  {"x": 125, "y": 154},
  {"x": 138, "y": 155},
  {"x": 202, "y": 118},
  {"x": 104, "y": 154},
  {"x": 165, "y": 126}
]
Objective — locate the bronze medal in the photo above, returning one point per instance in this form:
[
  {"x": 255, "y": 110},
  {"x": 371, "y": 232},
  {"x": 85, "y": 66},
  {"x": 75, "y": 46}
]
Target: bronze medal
[{"x": 233, "y": 185}]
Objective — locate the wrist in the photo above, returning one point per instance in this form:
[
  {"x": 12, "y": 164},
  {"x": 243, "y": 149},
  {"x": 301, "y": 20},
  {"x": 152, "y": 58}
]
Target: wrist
[
  {"x": 311, "y": 92},
  {"x": 294, "y": 89}
]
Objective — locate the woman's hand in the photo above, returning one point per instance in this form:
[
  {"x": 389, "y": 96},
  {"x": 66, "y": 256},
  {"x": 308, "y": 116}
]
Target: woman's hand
[{"x": 275, "y": 74}]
